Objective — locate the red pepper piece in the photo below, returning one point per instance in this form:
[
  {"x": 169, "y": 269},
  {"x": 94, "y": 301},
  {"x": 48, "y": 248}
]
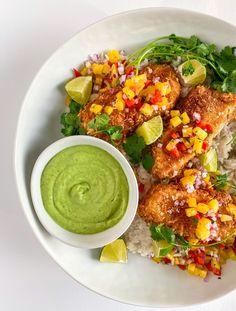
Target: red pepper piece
[
  {"x": 141, "y": 187},
  {"x": 182, "y": 267},
  {"x": 129, "y": 70},
  {"x": 205, "y": 126},
  {"x": 216, "y": 271},
  {"x": 181, "y": 147},
  {"x": 205, "y": 145},
  {"x": 175, "y": 152},
  {"x": 198, "y": 216},
  {"x": 147, "y": 83},
  {"x": 221, "y": 246},
  {"x": 156, "y": 98},
  {"x": 166, "y": 260},
  {"x": 76, "y": 72},
  {"x": 174, "y": 135},
  {"x": 200, "y": 260},
  {"x": 129, "y": 103}
]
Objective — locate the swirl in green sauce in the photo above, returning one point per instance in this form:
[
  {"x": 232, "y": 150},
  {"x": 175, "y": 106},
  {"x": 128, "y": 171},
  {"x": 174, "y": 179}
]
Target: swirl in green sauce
[{"x": 84, "y": 189}]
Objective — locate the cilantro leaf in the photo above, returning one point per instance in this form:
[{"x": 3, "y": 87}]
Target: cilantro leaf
[
  {"x": 188, "y": 69},
  {"x": 227, "y": 60},
  {"x": 220, "y": 181},
  {"x": 115, "y": 132},
  {"x": 147, "y": 161},
  {"x": 165, "y": 251},
  {"x": 161, "y": 232},
  {"x": 134, "y": 146},
  {"x": 229, "y": 83},
  {"x": 71, "y": 121}
]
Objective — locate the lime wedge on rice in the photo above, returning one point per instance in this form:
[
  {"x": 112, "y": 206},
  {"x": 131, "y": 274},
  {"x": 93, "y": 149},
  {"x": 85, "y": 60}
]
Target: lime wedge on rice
[
  {"x": 114, "y": 252},
  {"x": 209, "y": 160},
  {"x": 161, "y": 248},
  {"x": 151, "y": 130},
  {"x": 192, "y": 72},
  {"x": 79, "y": 89}
]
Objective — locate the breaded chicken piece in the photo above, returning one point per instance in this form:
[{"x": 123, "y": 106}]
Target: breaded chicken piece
[
  {"x": 215, "y": 108},
  {"x": 132, "y": 118},
  {"x": 159, "y": 206}
]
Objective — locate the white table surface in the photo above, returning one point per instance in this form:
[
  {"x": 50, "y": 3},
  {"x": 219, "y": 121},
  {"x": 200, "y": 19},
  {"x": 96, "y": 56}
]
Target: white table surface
[{"x": 30, "y": 30}]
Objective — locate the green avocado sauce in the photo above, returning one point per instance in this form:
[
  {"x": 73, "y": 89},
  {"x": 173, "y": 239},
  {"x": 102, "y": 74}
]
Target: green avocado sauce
[{"x": 84, "y": 189}]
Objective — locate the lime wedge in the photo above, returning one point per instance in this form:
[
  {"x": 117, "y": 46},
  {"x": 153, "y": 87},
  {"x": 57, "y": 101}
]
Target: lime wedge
[
  {"x": 161, "y": 248},
  {"x": 114, "y": 252},
  {"x": 192, "y": 72},
  {"x": 151, "y": 130},
  {"x": 79, "y": 89},
  {"x": 209, "y": 160}
]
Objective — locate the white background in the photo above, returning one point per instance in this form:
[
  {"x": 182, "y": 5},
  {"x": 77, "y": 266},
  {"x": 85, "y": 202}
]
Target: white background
[{"x": 30, "y": 30}]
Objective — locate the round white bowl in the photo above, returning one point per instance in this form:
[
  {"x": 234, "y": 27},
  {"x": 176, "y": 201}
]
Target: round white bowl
[
  {"x": 141, "y": 281},
  {"x": 83, "y": 240}
]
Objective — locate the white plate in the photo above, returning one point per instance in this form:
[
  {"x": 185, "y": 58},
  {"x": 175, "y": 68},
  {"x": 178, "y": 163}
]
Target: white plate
[{"x": 141, "y": 281}]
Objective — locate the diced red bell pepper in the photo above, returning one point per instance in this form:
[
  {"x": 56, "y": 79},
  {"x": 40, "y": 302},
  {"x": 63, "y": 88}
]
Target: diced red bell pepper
[
  {"x": 200, "y": 260},
  {"x": 205, "y": 126},
  {"x": 129, "y": 103},
  {"x": 198, "y": 216},
  {"x": 76, "y": 72},
  {"x": 216, "y": 271},
  {"x": 181, "y": 147},
  {"x": 205, "y": 145},
  {"x": 182, "y": 267},
  {"x": 129, "y": 70},
  {"x": 166, "y": 260},
  {"x": 147, "y": 83},
  {"x": 174, "y": 135},
  {"x": 141, "y": 187},
  {"x": 156, "y": 98},
  {"x": 221, "y": 246},
  {"x": 175, "y": 152}
]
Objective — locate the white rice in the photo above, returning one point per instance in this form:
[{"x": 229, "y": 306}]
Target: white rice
[{"x": 137, "y": 237}]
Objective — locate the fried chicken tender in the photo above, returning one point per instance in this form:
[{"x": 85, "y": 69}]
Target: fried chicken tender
[
  {"x": 132, "y": 118},
  {"x": 165, "y": 204},
  {"x": 214, "y": 107}
]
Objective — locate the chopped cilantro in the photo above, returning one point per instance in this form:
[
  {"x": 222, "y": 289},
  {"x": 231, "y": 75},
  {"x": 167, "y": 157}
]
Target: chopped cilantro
[
  {"x": 147, "y": 161},
  {"x": 71, "y": 121},
  {"x": 101, "y": 125},
  {"x": 134, "y": 146},
  {"x": 188, "y": 69}
]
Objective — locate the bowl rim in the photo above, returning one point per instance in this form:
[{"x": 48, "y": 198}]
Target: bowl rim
[
  {"x": 36, "y": 231},
  {"x": 87, "y": 241}
]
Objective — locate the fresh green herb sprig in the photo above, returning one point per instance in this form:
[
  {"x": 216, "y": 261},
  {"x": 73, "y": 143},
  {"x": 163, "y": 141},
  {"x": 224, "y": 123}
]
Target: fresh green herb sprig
[
  {"x": 101, "y": 125},
  {"x": 134, "y": 146},
  {"x": 168, "y": 48},
  {"x": 188, "y": 69},
  {"x": 163, "y": 233},
  {"x": 220, "y": 182},
  {"x": 71, "y": 121}
]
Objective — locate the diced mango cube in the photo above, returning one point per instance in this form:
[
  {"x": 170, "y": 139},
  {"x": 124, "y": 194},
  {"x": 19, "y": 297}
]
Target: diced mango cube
[
  {"x": 192, "y": 202},
  {"x": 189, "y": 172},
  {"x": 108, "y": 110},
  {"x": 190, "y": 212},
  {"x": 176, "y": 121},
  {"x": 201, "y": 272},
  {"x": 171, "y": 145},
  {"x": 119, "y": 95},
  {"x": 146, "y": 109},
  {"x": 114, "y": 56},
  {"x": 193, "y": 241},
  {"x": 213, "y": 204},
  {"x": 84, "y": 71},
  {"x": 206, "y": 179},
  {"x": 197, "y": 146},
  {"x": 215, "y": 264},
  {"x": 106, "y": 69},
  {"x": 200, "y": 133},
  {"x": 185, "y": 118},
  {"x": 232, "y": 209},
  {"x": 97, "y": 69},
  {"x": 187, "y": 131},
  {"x": 224, "y": 218},
  {"x": 175, "y": 113},
  {"x": 163, "y": 102},
  {"x": 98, "y": 80},
  {"x": 96, "y": 108},
  {"x": 191, "y": 268},
  {"x": 120, "y": 104},
  {"x": 188, "y": 180},
  {"x": 136, "y": 83},
  {"x": 128, "y": 92},
  {"x": 187, "y": 143},
  {"x": 202, "y": 208},
  {"x": 202, "y": 231},
  {"x": 163, "y": 87}
]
